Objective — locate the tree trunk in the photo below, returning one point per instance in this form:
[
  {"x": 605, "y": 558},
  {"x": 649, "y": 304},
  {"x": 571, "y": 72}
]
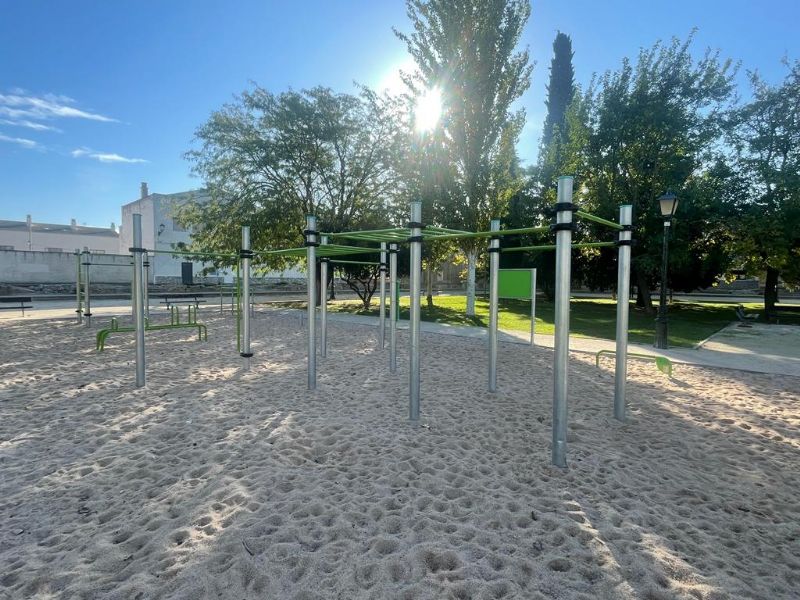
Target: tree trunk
[
  {"x": 643, "y": 299},
  {"x": 332, "y": 286},
  {"x": 472, "y": 259},
  {"x": 429, "y": 285},
  {"x": 771, "y": 291}
]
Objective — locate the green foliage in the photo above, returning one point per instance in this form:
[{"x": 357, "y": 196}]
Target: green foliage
[
  {"x": 270, "y": 159},
  {"x": 466, "y": 48},
  {"x": 560, "y": 93},
  {"x": 766, "y": 135},
  {"x": 648, "y": 128}
]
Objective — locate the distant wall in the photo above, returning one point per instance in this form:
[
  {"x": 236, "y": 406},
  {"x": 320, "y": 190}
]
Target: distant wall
[{"x": 54, "y": 267}]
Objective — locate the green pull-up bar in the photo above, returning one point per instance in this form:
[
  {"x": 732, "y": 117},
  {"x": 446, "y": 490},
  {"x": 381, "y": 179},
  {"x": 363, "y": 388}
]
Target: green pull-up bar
[{"x": 553, "y": 247}]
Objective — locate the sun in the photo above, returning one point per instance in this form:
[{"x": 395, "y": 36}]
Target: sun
[{"x": 428, "y": 109}]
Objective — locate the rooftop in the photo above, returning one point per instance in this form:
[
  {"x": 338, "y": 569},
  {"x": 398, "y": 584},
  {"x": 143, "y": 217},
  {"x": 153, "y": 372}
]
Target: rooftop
[{"x": 57, "y": 228}]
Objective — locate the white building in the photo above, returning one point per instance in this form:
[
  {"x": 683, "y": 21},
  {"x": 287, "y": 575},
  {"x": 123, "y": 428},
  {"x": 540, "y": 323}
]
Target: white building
[
  {"x": 161, "y": 232},
  {"x": 49, "y": 237}
]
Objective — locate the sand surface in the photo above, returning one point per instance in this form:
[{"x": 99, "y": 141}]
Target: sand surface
[{"x": 221, "y": 482}]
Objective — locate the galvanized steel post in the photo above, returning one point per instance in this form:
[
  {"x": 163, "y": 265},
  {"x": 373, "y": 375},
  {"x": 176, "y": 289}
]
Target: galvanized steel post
[
  {"x": 382, "y": 307},
  {"x": 494, "y": 267},
  {"x": 311, "y": 264},
  {"x": 533, "y": 305},
  {"x": 392, "y": 307},
  {"x": 563, "y": 229},
  {"x": 246, "y": 254},
  {"x": 87, "y": 301},
  {"x": 415, "y": 242},
  {"x": 138, "y": 298},
  {"x": 623, "y": 306},
  {"x": 79, "y": 311},
  {"x": 323, "y": 302},
  {"x": 145, "y": 286}
]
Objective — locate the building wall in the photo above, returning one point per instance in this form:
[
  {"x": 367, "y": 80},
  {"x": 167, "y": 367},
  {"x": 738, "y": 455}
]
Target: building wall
[
  {"x": 159, "y": 232},
  {"x": 68, "y": 242},
  {"x": 21, "y": 267}
]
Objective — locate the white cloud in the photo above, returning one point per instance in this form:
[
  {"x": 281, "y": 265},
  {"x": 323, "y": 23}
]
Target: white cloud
[
  {"x": 105, "y": 157},
  {"x": 20, "y": 105},
  {"x": 25, "y": 143},
  {"x": 29, "y": 125}
]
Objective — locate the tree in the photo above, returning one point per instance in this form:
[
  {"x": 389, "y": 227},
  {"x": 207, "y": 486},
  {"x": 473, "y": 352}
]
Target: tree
[
  {"x": 766, "y": 135},
  {"x": 466, "y": 49},
  {"x": 269, "y": 159},
  {"x": 649, "y": 128},
  {"x": 560, "y": 93}
]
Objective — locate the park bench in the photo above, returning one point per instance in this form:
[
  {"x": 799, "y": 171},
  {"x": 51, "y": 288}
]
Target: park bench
[
  {"x": 20, "y": 302},
  {"x": 181, "y": 298},
  {"x": 662, "y": 363},
  {"x": 744, "y": 319}
]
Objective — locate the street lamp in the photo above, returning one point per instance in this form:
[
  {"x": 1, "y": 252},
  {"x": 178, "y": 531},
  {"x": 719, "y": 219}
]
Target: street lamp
[{"x": 669, "y": 204}]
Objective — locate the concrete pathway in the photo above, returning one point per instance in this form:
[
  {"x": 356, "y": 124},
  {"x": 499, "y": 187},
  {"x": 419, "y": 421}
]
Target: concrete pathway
[{"x": 761, "y": 349}]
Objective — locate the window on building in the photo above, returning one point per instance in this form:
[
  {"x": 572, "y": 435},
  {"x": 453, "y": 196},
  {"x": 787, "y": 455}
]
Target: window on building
[
  {"x": 6, "y": 247},
  {"x": 53, "y": 249}
]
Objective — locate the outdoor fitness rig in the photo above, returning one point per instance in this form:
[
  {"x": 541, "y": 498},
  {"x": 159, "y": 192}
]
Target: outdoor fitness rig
[
  {"x": 414, "y": 235},
  {"x": 84, "y": 261},
  {"x": 174, "y": 323},
  {"x": 141, "y": 322}
]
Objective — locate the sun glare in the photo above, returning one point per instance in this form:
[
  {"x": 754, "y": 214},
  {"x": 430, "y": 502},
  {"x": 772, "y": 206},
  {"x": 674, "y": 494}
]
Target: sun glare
[{"x": 428, "y": 109}]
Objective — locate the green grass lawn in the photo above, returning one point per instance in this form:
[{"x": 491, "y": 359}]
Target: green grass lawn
[{"x": 689, "y": 322}]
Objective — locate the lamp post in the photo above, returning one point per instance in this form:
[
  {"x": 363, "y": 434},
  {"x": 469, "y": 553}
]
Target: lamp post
[{"x": 668, "y": 203}]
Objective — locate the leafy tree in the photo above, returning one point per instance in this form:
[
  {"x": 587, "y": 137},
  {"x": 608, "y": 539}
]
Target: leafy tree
[
  {"x": 766, "y": 135},
  {"x": 466, "y": 49},
  {"x": 649, "y": 128},
  {"x": 270, "y": 159}
]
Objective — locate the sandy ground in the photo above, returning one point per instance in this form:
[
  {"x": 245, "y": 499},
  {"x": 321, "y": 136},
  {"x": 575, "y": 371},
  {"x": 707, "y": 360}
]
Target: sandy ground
[{"x": 221, "y": 482}]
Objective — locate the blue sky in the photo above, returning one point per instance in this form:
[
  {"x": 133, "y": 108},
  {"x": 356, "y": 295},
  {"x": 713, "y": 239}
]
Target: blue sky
[{"x": 97, "y": 96}]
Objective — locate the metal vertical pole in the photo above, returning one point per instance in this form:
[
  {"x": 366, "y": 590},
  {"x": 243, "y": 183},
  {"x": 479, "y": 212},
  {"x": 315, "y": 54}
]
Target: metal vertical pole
[
  {"x": 86, "y": 295},
  {"x": 382, "y": 306},
  {"x": 563, "y": 229},
  {"x": 392, "y": 307},
  {"x": 533, "y": 305},
  {"x": 311, "y": 263},
  {"x": 415, "y": 241},
  {"x": 494, "y": 267},
  {"x": 246, "y": 254},
  {"x": 323, "y": 299},
  {"x": 662, "y": 327},
  {"x": 138, "y": 297},
  {"x": 79, "y": 311},
  {"x": 623, "y": 305},
  {"x": 145, "y": 286}
]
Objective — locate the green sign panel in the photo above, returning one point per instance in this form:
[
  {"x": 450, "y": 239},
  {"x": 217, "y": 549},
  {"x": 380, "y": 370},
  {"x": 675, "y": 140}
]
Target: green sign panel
[{"x": 514, "y": 283}]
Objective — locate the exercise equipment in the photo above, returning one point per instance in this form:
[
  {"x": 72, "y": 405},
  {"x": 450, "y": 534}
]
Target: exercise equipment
[
  {"x": 175, "y": 323},
  {"x": 662, "y": 363}
]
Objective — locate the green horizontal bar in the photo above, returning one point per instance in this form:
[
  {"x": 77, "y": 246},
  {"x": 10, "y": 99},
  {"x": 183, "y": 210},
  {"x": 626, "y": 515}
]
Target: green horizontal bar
[
  {"x": 353, "y": 262},
  {"x": 485, "y": 234},
  {"x": 185, "y": 253},
  {"x": 553, "y": 246},
  {"x": 347, "y": 233},
  {"x": 601, "y": 220},
  {"x": 323, "y": 251}
]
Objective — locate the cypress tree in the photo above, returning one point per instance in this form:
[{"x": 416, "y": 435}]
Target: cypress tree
[{"x": 560, "y": 91}]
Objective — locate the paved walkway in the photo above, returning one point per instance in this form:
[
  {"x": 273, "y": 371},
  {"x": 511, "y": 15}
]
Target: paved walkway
[{"x": 760, "y": 348}]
